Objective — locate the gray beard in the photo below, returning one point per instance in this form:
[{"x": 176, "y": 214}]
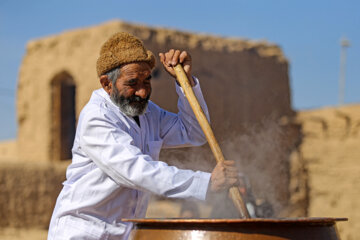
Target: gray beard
[{"x": 132, "y": 106}]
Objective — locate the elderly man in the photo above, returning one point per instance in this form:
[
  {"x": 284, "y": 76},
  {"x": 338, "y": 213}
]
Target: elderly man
[{"x": 116, "y": 149}]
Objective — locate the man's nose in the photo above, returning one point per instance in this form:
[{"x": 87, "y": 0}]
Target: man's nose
[{"x": 141, "y": 92}]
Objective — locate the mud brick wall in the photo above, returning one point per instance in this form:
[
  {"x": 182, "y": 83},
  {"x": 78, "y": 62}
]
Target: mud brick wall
[
  {"x": 330, "y": 153},
  {"x": 28, "y": 192}
]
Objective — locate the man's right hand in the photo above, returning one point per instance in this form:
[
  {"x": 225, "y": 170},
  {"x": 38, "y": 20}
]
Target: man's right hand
[
  {"x": 224, "y": 176},
  {"x": 171, "y": 58}
]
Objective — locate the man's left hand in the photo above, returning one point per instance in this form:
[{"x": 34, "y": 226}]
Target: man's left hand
[{"x": 171, "y": 58}]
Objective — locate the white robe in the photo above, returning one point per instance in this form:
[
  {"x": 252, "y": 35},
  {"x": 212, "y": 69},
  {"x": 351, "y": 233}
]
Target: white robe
[{"x": 115, "y": 167}]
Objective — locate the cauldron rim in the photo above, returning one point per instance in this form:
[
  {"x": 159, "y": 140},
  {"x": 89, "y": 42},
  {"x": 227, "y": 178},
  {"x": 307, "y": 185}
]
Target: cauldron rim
[{"x": 211, "y": 221}]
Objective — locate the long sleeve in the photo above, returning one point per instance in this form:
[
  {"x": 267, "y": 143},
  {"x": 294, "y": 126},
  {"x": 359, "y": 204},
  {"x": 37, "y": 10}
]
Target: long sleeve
[
  {"x": 183, "y": 129},
  {"x": 113, "y": 151}
]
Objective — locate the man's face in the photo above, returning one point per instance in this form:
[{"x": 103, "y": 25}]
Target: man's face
[{"x": 132, "y": 90}]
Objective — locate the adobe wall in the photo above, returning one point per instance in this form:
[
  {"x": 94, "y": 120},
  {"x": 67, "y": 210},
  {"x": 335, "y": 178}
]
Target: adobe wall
[
  {"x": 28, "y": 191},
  {"x": 8, "y": 150},
  {"x": 330, "y": 153}
]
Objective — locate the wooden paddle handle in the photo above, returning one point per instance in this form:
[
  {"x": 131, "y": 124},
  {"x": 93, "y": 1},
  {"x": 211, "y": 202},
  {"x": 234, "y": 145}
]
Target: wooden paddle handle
[{"x": 182, "y": 79}]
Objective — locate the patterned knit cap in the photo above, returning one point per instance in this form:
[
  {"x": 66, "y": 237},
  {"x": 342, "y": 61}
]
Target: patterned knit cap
[{"x": 122, "y": 48}]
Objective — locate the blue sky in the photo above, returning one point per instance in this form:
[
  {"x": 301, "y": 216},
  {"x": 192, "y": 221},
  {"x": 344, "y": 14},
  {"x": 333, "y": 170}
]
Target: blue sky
[{"x": 308, "y": 32}]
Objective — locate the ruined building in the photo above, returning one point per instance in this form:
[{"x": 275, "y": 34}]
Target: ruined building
[{"x": 245, "y": 84}]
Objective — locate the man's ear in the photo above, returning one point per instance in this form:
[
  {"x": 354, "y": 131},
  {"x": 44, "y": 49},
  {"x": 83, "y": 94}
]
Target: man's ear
[{"x": 106, "y": 83}]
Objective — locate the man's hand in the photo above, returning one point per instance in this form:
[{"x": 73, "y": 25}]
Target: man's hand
[
  {"x": 171, "y": 58},
  {"x": 224, "y": 176}
]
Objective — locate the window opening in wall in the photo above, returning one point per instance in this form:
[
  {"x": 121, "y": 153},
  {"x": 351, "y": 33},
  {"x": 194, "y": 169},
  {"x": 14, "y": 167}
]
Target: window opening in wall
[{"x": 63, "y": 119}]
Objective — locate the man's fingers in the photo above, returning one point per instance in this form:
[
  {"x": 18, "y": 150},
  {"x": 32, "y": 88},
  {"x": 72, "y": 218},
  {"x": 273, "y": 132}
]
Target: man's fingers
[
  {"x": 231, "y": 169},
  {"x": 183, "y": 56},
  {"x": 168, "y": 57},
  {"x": 175, "y": 57},
  {"x": 225, "y": 175},
  {"x": 230, "y": 166},
  {"x": 231, "y": 174},
  {"x": 229, "y": 162},
  {"x": 172, "y": 57},
  {"x": 227, "y": 168}
]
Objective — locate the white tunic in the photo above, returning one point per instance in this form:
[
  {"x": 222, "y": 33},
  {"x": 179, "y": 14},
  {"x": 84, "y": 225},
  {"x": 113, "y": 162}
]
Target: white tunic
[{"x": 114, "y": 167}]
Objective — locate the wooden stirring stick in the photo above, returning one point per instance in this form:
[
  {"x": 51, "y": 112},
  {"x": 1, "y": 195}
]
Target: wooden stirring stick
[{"x": 200, "y": 116}]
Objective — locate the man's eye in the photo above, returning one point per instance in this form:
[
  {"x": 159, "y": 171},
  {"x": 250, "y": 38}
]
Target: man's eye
[{"x": 132, "y": 82}]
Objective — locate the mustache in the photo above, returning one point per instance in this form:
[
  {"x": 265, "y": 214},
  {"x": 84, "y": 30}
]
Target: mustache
[{"x": 136, "y": 99}]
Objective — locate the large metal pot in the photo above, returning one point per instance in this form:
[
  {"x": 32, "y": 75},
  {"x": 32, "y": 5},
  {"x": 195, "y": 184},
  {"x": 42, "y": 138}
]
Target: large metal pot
[{"x": 244, "y": 229}]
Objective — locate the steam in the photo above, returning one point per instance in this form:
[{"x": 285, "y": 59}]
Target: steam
[{"x": 261, "y": 156}]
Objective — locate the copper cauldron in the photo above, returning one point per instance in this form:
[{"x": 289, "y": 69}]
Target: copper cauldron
[{"x": 244, "y": 229}]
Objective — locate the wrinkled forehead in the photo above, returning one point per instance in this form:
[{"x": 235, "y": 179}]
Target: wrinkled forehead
[{"x": 137, "y": 68}]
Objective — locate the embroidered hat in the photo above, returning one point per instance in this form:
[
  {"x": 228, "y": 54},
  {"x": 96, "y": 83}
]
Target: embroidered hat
[{"x": 122, "y": 48}]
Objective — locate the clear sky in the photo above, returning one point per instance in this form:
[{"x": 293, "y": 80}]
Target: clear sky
[{"x": 308, "y": 31}]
